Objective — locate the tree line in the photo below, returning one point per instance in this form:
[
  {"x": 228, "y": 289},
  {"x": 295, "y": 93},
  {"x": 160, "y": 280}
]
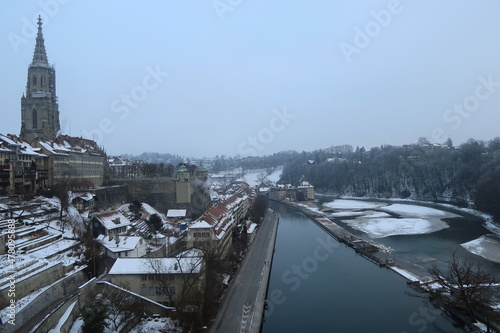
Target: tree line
[{"x": 467, "y": 175}]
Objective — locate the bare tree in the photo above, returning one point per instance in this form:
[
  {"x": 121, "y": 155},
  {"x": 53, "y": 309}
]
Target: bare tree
[
  {"x": 120, "y": 307},
  {"x": 183, "y": 284},
  {"x": 464, "y": 288}
]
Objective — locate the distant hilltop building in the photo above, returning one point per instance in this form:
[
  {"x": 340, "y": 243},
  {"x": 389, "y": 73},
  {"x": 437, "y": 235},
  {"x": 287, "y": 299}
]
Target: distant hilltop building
[
  {"x": 303, "y": 192},
  {"x": 41, "y": 156}
]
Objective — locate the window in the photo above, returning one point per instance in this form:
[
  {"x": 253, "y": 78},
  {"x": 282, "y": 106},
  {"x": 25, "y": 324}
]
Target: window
[
  {"x": 34, "y": 80},
  {"x": 35, "y": 119}
]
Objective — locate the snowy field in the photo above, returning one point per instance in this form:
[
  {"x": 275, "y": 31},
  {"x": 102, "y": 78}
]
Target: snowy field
[
  {"x": 252, "y": 178},
  {"x": 373, "y": 218}
]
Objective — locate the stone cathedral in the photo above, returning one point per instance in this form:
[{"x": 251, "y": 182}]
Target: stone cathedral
[{"x": 39, "y": 108}]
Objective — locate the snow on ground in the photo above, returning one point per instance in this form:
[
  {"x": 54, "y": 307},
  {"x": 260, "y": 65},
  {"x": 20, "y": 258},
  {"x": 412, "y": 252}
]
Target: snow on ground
[
  {"x": 56, "y": 228},
  {"x": 155, "y": 325},
  {"x": 254, "y": 178},
  {"x": 407, "y": 275},
  {"x": 485, "y": 247},
  {"x": 481, "y": 326},
  {"x": 21, "y": 303},
  {"x": 54, "y": 202},
  {"x": 63, "y": 318},
  {"x": 77, "y": 325},
  {"x": 353, "y": 204},
  {"x": 417, "y": 211},
  {"x": 55, "y": 247},
  {"x": 385, "y": 227}
]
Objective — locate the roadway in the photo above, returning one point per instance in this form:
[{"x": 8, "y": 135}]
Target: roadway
[{"x": 243, "y": 306}]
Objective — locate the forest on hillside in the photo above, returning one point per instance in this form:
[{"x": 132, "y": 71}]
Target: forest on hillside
[{"x": 467, "y": 175}]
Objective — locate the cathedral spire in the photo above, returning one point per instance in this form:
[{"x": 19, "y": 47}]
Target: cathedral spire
[
  {"x": 39, "y": 108},
  {"x": 40, "y": 56}
]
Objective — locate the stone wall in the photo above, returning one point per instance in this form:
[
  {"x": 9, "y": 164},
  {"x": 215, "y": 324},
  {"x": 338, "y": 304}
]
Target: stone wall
[
  {"x": 27, "y": 285},
  {"x": 158, "y": 192},
  {"x": 57, "y": 292},
  {"x": 109, "y": 196},
  {"x": 84, "y": 297}
]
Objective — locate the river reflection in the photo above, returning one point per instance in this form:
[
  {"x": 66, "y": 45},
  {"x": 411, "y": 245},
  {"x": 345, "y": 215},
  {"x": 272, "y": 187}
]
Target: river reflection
[{"x": 319, "y": 285}]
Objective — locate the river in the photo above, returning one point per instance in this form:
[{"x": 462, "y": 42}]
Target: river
[{"x": 320, "y": 285}]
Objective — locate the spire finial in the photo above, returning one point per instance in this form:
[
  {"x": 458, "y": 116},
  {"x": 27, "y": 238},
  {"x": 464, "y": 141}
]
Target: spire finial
[{"x": 40, "y": 55}]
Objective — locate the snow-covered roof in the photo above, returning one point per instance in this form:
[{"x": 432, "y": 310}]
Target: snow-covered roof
[
  {"x": 9, "y": 140},
  {"x": 176, "y": 213},
  {"x": 220, "y": 217},
  {"x": 251, "y": 227},
  {"x": 53, "y": 148},
  {"x": 200, "y": 225},
  {"x": 84, "y": 196},
  {"x": 129, "y": 266},
  {"x": 112, "y": 220},
  {"x": 149, "y": 209},
  {"x": 125, "y": 243}
]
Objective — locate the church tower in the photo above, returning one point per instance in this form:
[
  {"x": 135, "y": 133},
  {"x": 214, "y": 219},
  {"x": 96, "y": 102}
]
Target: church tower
[{"x": 39, "y": 108}]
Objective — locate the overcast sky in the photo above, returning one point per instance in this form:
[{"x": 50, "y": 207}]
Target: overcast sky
[{"x": 204, "y": 78}]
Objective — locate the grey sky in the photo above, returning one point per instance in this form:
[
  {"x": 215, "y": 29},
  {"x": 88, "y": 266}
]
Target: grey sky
[{"x": 257, "y": 77}]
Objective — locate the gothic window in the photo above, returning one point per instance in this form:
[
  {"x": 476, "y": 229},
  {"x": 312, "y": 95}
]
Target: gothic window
[
  {"x": 34, "y": 80},
  {"x": 43, "y": 80},
  {"x": 35, "y": 119}
]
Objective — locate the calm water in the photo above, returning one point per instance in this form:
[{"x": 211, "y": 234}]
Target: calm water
[{"x": 319, "y": 285}]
